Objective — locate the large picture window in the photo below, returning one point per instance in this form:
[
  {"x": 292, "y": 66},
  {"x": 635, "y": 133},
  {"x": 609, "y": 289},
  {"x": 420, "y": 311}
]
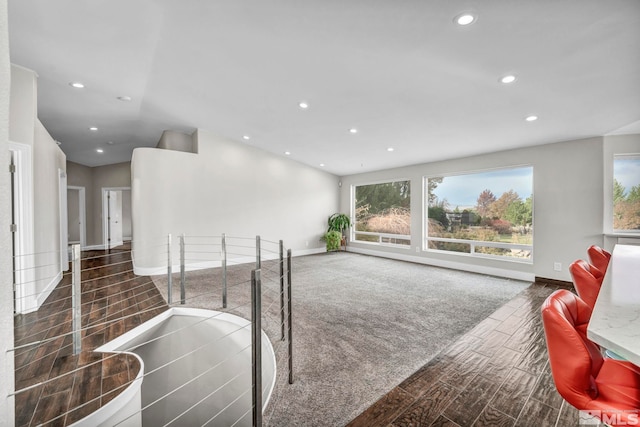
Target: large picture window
[
  {"x": 482, "y": 214},
  {"x": 626, "y": 193},
  {"x": 383, "y": 213}
]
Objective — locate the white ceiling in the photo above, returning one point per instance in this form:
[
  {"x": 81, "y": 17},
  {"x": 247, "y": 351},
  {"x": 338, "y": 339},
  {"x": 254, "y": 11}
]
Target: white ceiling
[{"x": 400, "y": 71}]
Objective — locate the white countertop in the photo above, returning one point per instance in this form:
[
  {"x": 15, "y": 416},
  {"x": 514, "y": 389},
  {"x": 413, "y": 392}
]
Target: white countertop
[{"x": 615, "y": 322}]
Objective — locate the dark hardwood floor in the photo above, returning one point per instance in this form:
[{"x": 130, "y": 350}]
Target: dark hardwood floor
[
  {"x": 495, "y": 375},
  {"x": 60, "y": 387}
]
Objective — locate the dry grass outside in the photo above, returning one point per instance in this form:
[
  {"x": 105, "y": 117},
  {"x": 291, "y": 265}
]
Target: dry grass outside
[{"x": 392, "y": 221}]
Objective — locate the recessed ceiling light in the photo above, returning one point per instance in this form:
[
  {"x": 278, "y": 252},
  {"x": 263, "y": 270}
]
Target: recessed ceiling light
[
  {"x": 77, "y": 85},
  {"x": 303, "y": 105},
  {"x": 508, "y": 79},
  {"x": 246, "y": 137},
  {"x": 531, "y": 118},
  {"x": 465, "y": 19},
  {"x": 321, "y": 165},
  {"x": 93, "y": 128},
  {"x": 390, "y": 149},
  {"x": 353, "y": 130},
  {"x": 100, "y": 150},
  {"x": 124, "y": 98},
  {"x": 287, "y": 153}
]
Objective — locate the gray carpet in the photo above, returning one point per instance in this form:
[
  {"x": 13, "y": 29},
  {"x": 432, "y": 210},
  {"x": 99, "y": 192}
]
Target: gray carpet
[{"x": 361, "y": 325}]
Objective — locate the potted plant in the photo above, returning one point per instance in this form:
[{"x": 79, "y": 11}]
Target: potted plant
[
  {"x": 338, "y": 223},
  {"x": 333, "y": 239}
]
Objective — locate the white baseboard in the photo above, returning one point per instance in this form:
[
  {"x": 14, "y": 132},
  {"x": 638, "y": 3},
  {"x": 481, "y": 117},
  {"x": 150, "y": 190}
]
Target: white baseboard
[
  {"x": 491, "y": 271},
  {"x": 94, "y": 248},
  {"x": 158, "y": 271},
  {"x": 42, "y": 296},
  {"x": 308, "y": 252}
]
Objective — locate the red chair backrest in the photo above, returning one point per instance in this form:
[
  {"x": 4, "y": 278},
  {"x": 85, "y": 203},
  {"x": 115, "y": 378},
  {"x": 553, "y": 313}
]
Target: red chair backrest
[
  {"x": 587, "y": 280},
  {"x": 599, "y": 258},
  {"x": 575, "y": 361}
]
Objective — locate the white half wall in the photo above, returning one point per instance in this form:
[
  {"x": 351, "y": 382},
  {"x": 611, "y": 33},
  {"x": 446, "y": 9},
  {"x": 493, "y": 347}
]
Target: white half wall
[{"x": 228, "y": 187}]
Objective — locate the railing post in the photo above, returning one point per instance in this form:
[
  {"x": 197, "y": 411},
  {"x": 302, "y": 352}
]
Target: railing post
[
  {"x": 223, "y": 260},
  {"x": 282, "y": 290},
  {"x": 76, "y": 300},
  {"x": 289, "y": 316},
  {"x": 182, "y": 270},
  {"x": 256, "y": 347},
  {"x": 258, "y": 258},
  {"x": 169, "y": 272}
]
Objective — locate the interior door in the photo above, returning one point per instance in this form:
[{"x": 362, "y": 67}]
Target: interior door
[{"x": 114, "y": 220}]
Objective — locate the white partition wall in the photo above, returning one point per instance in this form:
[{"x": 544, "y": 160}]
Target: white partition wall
[{"x": 228, "y": 187}]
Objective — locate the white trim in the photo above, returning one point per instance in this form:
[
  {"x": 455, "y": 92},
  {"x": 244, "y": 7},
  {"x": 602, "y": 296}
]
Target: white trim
[
  {"x": 94, "y": 248},
  {"x": 42, "y": 296},
  {"x": 82, "y": 213},
  {"x": 308, "y": 252},
  {"x": 62, "y": 207},
  {"x": 491, "y": 271},
  {"x": 24, "y": 202}
]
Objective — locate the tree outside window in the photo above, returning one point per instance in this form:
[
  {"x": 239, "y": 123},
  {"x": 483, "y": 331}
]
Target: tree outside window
[
  {"x": 626, "y": 193},
  {"x": 494, "y": 207},
  {"x": 383, "y": 211}
]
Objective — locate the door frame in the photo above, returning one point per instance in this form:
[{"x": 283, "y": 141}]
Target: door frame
[
  {"x": 82, "y": 212},
  {"x": 25, "y": 298},
  {"x": 105, "y": 213},
  {"x": 64, "y": 235}
]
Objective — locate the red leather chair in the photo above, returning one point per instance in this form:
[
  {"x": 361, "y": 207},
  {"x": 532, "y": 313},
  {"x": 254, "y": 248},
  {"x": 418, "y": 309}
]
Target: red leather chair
[
  {"x": 599, "y": 258},
  {"x": 582, "y": 376},
  {"x": 587, "y": 280}
]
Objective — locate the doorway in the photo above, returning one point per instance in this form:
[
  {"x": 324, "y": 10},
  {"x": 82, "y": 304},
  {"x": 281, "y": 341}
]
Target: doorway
[{"x": 116, "y": 216}]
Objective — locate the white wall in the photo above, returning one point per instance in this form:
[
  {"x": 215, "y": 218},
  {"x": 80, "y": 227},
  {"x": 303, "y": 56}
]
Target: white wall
[
  {"x": 7, "y": 411},
  {"x": 568, "y": 206},
  {"x": 47, "y": 160},
  {"x": 229, "y": 188},
  {"x": 23, "y": 105},
  {"x": 173, "y": 140}
]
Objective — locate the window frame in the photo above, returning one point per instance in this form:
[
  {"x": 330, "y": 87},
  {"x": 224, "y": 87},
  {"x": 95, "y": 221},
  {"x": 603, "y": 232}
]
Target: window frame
[
  {"x": 475, "y": 243},
  {"x": 352, "y": 236},
  {"x": 611, "y": 201}
]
